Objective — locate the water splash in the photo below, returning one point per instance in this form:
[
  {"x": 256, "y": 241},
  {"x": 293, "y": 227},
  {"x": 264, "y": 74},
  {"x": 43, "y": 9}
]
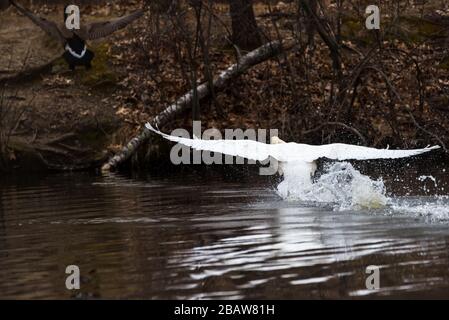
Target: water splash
[
  {"x": 343, "y": 188},
  {"x": 340, "y": 185},
  {"x": 431, "y": 209},
  {"x": 423, "y": 178}
]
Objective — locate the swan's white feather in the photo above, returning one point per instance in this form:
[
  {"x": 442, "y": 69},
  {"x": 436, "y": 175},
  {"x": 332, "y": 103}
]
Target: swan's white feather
[{"x": 291, "y": 151}]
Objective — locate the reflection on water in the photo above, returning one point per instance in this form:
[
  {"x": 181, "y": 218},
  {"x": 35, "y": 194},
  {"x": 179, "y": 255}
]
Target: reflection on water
[{"x": 209, "y": 237}]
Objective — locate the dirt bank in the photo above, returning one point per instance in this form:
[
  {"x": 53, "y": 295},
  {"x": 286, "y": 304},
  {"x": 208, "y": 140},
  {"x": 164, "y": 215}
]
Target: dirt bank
[{"x": 52, "y": 117}]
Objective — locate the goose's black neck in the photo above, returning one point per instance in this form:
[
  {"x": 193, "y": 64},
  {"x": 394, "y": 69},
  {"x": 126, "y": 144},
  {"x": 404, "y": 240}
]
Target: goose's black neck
[{"x": 76, "y": 43}]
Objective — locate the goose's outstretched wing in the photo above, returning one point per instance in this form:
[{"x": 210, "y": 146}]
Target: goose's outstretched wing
[
  {"x": 49, "y": 27},
  {"x": 99, "y": 30},
  {"x": 286, "y": 152}
]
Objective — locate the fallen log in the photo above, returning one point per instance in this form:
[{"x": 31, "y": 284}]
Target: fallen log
[{"x": 247, "y": 61}]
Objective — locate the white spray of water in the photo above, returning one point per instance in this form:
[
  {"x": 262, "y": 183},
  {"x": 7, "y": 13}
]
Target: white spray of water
[
  {"x": 345, "y": 188},
  {"x": 432, "y": 209},
  {"x": 424, "y": 178},
  {"x": 340, "y": 185}
]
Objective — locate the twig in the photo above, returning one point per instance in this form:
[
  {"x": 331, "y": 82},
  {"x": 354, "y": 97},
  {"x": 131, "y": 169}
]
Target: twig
[
  {"x": 341, "y": 124},
  {"x": 392, "y": 88}
]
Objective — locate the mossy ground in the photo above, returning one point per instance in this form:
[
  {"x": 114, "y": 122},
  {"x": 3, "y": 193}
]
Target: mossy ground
[
  {"x": 101, "y": 72},
  {"x": 409, "y": 29},
  {"x": 444, "y": 64}
]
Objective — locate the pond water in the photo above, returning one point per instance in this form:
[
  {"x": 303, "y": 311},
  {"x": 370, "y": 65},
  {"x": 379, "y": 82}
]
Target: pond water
[{"x": 209, "y": 235}]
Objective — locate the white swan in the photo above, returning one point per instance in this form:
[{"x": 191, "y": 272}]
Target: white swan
[
  {"x": 298, "y": 155},
  {"x": 297, "y": 163}
]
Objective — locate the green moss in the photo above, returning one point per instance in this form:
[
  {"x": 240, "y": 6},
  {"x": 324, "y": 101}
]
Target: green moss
[
  {"x": 351, "y": 26},
  {"x": 354, "y": 29},
  {"x": 444, "y": 64},
  {"x": 408, "y": 29},
  {"x": 100, "y": 73},
  {"x": 59, "y": 65},
  {"x": 414, "y": 29},
  {"x": 445, "y": 100},
  {"x": 423, "y": 27}
]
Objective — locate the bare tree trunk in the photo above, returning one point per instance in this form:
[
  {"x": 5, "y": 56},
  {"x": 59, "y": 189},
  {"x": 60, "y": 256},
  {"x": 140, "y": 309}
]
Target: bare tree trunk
[
  {"x": 326, "y": 36},
  {"x": 310, "y": 23},
  {"x": 245, "y": 32},
  {"x": 251, "y": 59}
]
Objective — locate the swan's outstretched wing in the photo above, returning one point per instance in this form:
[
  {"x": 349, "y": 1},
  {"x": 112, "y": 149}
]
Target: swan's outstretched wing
[
  {"x": 49, "y": 27},
  {"x": 102, "y": 29},
  {"x": 286, "y": 152},
  {"x": 340, "y": 151},
  {"x": 243, "y": 148}
]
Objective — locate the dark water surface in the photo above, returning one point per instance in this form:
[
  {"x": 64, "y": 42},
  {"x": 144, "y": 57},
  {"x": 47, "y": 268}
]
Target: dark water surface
[{"x": 205, "y": 237}]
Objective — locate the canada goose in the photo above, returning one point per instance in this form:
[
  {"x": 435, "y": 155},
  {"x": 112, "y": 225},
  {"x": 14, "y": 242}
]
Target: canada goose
[
  {"x": 4, "y": 4},
  {"x": 74, "y": 41}
]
